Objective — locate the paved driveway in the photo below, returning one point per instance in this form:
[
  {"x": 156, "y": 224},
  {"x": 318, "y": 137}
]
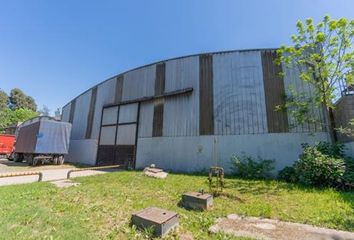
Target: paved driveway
[{"x": 51, "y": 174}]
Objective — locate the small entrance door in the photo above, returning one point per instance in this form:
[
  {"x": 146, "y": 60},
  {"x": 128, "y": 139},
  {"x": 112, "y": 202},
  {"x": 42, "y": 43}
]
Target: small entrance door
[{"x": 117, "y": 140}]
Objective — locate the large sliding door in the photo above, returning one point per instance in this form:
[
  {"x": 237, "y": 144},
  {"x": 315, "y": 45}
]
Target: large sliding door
[{"x": 117, "y": 140}]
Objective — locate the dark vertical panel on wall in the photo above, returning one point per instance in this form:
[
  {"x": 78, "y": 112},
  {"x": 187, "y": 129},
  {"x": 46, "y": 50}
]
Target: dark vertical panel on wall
[
  {"x": 91, "y": 113},
  {"x": 157, "y": 125},
  {"x": 119, "y": 89},
  {"x": 274, "y": 93},
  {"x": 206, "y": 101},
  {"x": 72, "y": 111},
  {"x": 160, "y": 79}
]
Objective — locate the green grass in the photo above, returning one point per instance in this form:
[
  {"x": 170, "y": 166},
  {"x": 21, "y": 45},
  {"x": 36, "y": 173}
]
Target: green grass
[{"x": 100, "y": 208}]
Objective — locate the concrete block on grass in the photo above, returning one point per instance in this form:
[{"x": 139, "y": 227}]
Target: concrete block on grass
[
  {"x": 197, "y": 201},
  {"x": 160, "y": 220}
]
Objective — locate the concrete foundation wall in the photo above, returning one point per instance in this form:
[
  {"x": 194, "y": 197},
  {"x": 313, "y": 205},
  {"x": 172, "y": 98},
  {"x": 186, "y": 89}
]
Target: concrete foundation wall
[
  {"x": 82, "y": 151},
  {"x": 191, "y": 154},
  {"x": 349, "y": 149}
]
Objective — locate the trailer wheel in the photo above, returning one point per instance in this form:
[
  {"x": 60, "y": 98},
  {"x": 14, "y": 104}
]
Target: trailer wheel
[
  {"x": 55, "y": 160},
  {"x": 29, "y": 159},
  {"x": 18, "y": 157},
  {"x": 60, "y": 160},
  {"x": 34, "y": 162}
]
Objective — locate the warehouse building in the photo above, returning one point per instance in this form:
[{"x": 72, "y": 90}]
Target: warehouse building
[{"x": 189, "y": 113}]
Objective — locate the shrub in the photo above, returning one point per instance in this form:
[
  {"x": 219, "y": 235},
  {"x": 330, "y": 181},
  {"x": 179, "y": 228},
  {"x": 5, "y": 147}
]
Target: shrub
[
  {"x": 315, "y": 168},
  {"x": 247, "y": 167},
  {"x": 288, "y": 174},
  {"x": 348, "y": 177},
  {"x": 333, "y": 150}
]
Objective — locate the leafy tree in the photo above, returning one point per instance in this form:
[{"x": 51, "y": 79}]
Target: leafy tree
[
  {"x": 45, "y": 111},
  {"x": 20, "y": 100},
  {"x": 57, "y": 113},
  {"x": 9, "y": 117},
  {"x": 324, "y": 55},
  {"x": 3, "y": 100}
]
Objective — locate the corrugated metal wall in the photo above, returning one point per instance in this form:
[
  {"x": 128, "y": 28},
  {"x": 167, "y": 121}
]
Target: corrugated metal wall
[
  {"x": 145, "y": 119},
  {"x": 239, "y": 101},
  {"x": 181, "y": 113},
  {"x": 66, "y": 113},
  {"x": 79, "y": 123},
  {"x": 105, "y": 95},
  {"x": 128, "y": 113},
  {"x": 292, "y": 80},
  {"x": 206, "y": 95},
  {"x": 274, "y": 93},
  {"x": 139, "y": 83}
]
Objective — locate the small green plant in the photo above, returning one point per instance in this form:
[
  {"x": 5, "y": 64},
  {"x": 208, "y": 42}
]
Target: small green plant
[
  {"x": 249, "y": 168},
  {"x": 348, "y": 177}
]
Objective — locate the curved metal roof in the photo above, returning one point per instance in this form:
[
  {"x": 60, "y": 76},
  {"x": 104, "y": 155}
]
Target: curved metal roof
[{"x": 170, "y": 59}]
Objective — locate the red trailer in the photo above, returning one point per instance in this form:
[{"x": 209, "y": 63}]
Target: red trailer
[{"x": 6, "y": 145}]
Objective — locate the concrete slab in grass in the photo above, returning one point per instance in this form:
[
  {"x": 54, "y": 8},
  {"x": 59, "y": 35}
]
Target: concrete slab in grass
[
  {"x": 64, "y": 183},
  {"x": 269, "y": 229}
]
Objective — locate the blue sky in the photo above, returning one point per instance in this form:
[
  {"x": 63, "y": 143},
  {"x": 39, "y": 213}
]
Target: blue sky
[{"x": 55, "y": 50}]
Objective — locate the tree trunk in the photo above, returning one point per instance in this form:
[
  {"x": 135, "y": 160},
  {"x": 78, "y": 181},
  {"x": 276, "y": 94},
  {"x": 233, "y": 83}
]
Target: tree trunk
[{"x": 331, "y": 125}]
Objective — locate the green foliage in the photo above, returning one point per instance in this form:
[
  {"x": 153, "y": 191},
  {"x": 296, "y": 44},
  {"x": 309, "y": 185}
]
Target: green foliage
[
  {"x": 16, "y": 108},
  {"x": 288, "y": 174},
  {"x": 324, "y": 56},
  {"x": 3, "y": 100},
  {"x": 315, "y": 168},
  {"x": 9, "y": 117},
  {"x": 348, "y": 177},
  {"x": 19, "y": 100},
  {"x": 322, "y": 165},
  {"x": 248, "y": 168},
  {"x": 333, "y": 150}
]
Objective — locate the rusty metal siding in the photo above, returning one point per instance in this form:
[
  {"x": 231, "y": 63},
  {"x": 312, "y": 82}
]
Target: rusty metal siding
[
  {"x": 79, "y": 124},
  {"x": 158, "y": 118},
  {"x": 239, "y": 100},
  {"x": 65, "y": 115},
  {"x": 119, "y": 89},
  {"x": 146, "y": 119},
  {"x": 160, "y": 79},
  {"x": 274, "y": 93},
  {"x": 181, "y": 113},
  {"x": 343, "y": 113},
  {"x": 206, "y": 102},
  {"x": 72, "y": 111},
  {"x": 292, "y": 80},
  {"x": 91, "y": 113},
  {"x": 139, "y": 83},
  {"x": 105, "y": 95}
]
